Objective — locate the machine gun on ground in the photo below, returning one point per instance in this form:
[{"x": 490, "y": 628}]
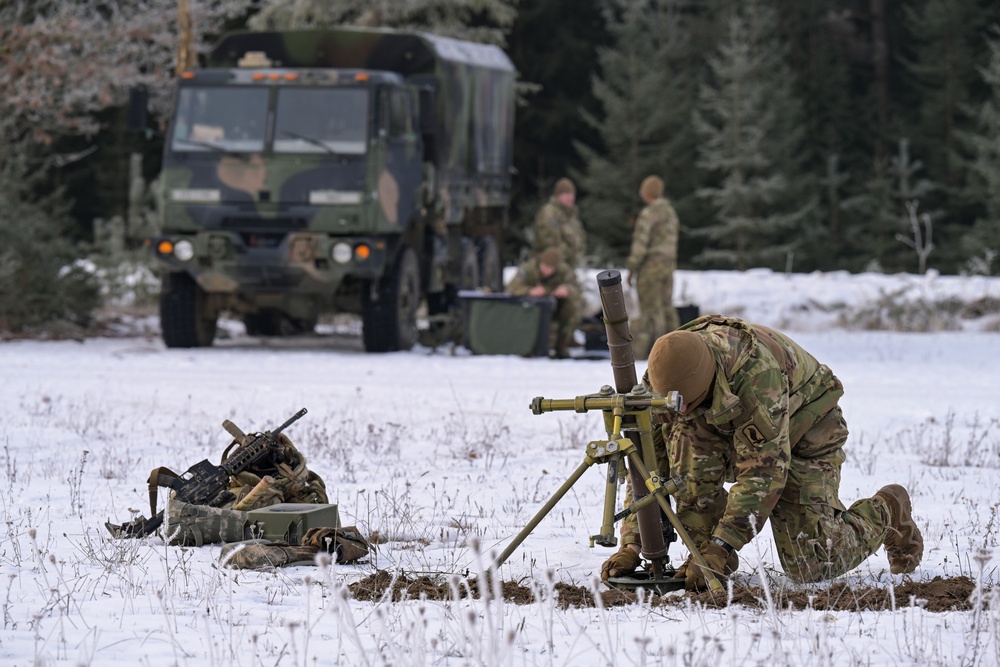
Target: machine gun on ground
[
  {"x": 628, "y": 421},
  {"x": 206, "y": 483}
]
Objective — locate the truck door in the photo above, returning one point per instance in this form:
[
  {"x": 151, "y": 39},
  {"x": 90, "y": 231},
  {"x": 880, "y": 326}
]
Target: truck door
[{"x": 401, "y": 171}]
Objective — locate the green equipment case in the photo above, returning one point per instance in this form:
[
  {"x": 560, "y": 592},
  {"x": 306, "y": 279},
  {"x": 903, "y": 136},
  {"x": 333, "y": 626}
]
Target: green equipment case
[
  {"x": 507, "y": 324},
  {"x": 288, "y": 522}
]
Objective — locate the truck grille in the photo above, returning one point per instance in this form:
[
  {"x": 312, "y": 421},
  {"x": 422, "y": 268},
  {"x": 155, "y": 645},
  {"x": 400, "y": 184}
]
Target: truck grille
[
  {"x": 237, "y": 223},
  {"x": 267, "y": 277}
]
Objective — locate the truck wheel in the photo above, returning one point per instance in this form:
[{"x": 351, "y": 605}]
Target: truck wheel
[
  {"x": 490, "y": 269},
  {"x": 390, "y": 322},
  {"x": 185, "y": 319}
]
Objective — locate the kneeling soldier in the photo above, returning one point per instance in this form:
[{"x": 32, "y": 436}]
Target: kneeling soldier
[{"x": 761, "y": 412}]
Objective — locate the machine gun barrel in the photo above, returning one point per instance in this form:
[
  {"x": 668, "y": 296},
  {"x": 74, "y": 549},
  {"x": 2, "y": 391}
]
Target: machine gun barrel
[{"x": 252, "y": 448}]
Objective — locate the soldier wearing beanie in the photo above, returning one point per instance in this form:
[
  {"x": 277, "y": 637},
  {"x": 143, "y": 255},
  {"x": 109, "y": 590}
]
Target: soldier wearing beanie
[
  {"x": 653, "y": 258},
  {"x": 558, "y": 225},
  {"x": 549, "y": 275},
  {"x": 760, "y": 412}
]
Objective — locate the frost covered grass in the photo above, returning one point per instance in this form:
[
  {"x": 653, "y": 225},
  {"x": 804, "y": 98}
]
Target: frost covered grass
[{"x": 439, "y": 458}]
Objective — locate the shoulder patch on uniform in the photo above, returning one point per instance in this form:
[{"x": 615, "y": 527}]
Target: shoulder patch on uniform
[{"x": 752, "y": 433}]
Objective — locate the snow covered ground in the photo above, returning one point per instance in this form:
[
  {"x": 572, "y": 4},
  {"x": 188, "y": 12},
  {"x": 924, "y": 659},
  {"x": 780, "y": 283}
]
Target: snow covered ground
[{"x": 439, "y": 453}]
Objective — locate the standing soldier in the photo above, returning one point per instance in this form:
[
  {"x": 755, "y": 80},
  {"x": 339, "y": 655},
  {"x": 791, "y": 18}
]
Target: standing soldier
[
  {"x": 558, "y": 224},
  {"x": 763, "y": 414},
  {"x": 549, "y": 275},
  {"x": 654, "y": 258}
]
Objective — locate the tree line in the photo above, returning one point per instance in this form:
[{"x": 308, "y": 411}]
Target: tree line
[
  {"x": 820, "y": 135},
  {"x": 830, "y": 134}
]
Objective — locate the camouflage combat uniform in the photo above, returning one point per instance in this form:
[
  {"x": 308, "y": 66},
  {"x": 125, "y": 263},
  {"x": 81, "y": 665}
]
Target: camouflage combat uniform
[
  {"x": 567, "y": 315},
  {"x": 556, "y": 225},
  {"x": 653, "y": 258},
  {"x": 773, "y": 426}
]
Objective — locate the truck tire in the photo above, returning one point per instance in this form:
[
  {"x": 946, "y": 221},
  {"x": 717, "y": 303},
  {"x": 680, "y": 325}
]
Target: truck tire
[
  {"x": 490, "y": 268},
  {"x": 185, "y": 319},
  {"x": 390, "y": 322}
]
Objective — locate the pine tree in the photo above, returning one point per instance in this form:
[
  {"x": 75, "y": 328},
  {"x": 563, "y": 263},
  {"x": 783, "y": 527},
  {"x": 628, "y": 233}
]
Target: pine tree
[
  {"x": 948, "y": 40},
  {"x": 476, "y": 20},
  {"x": 646, "y": 95},
  {"x": 984, "y": 145},
  {"x": 822, "y": 42},
  {"x": 887, "y": 203},
  {"x": 39, "y": 284},
  {"x": 750, "y": 123}
]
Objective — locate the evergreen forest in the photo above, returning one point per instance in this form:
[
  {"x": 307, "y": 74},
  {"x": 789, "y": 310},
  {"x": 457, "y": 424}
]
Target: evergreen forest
[{"x": 799, "y": 135}]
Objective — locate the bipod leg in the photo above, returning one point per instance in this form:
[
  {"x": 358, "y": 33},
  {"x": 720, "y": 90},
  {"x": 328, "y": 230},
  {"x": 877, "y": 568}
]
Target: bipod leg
[
  {"x": 546, "y": 508},
  {"x": 660, "y": 492}
]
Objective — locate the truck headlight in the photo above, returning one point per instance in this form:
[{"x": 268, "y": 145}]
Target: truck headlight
[
  {"x": 341, "y": 253},
  {"x": 184, "y": 250},
  {"x": 334, "y": 197},
  {"x": 190, "y": 195}
]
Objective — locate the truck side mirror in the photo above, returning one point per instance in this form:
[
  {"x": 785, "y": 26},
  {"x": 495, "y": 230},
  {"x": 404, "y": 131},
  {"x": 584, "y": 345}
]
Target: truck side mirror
[{"x": 138, "y": 109}]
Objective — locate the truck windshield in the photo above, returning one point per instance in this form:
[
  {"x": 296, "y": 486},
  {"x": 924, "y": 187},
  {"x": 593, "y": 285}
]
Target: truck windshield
[
  {"x": 231, "y": 119},
  {"x": 321, "y": 120}
]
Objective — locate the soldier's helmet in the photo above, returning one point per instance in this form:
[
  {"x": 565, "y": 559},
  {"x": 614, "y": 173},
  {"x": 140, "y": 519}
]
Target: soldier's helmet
[
  {"x": 564, "y": 186},
  {"x": 551, "y": 257},
  {"x": 681, "y": 361},
  {"x": 651, "y": 188}
]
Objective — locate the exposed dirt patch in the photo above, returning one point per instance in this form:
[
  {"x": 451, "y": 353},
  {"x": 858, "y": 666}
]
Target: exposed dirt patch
[{"x": 937, "y": 595}]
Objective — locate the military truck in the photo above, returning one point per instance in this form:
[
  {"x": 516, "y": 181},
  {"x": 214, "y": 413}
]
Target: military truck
[{"x": 345, "y": 170}]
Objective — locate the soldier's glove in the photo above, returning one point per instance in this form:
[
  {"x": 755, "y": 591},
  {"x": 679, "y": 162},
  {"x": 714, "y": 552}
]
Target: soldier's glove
[
  {"x": 624, "y": 561},
  {"x": 720, "y": 561}
]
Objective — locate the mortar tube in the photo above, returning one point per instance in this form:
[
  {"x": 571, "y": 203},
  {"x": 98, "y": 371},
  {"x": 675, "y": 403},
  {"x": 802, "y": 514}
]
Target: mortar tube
[{"x": 609, "y": 284}]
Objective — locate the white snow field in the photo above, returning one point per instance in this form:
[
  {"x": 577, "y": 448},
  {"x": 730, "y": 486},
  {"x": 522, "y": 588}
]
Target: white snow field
[{"x": 438, "y": 452}]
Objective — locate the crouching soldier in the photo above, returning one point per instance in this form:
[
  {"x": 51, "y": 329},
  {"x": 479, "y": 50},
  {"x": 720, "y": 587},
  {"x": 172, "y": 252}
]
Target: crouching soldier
[
  {"x": 549, "y": 275},
  {"x": 761, "y": 412}
]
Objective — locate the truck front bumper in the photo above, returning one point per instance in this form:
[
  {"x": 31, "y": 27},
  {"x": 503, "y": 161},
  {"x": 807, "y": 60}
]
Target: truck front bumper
[{"x": 249, "y": 262}]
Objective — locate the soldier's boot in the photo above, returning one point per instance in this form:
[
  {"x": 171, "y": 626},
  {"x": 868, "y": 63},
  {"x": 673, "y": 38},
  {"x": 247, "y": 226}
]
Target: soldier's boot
[
  {"x": 194, "y": 525},
  {"x": 903, "y": 542},
  {"x": 732, "y": 565}
]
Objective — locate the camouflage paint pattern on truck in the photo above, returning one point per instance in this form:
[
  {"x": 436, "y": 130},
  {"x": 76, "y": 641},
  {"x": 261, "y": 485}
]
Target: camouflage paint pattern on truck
[{"x": 336, "y": 170}]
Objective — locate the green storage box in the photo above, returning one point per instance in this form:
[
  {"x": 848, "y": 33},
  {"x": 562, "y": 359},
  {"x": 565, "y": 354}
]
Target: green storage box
[
  {"x": 288, "y": 522},
  {"x": 507, "y": 324}
]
